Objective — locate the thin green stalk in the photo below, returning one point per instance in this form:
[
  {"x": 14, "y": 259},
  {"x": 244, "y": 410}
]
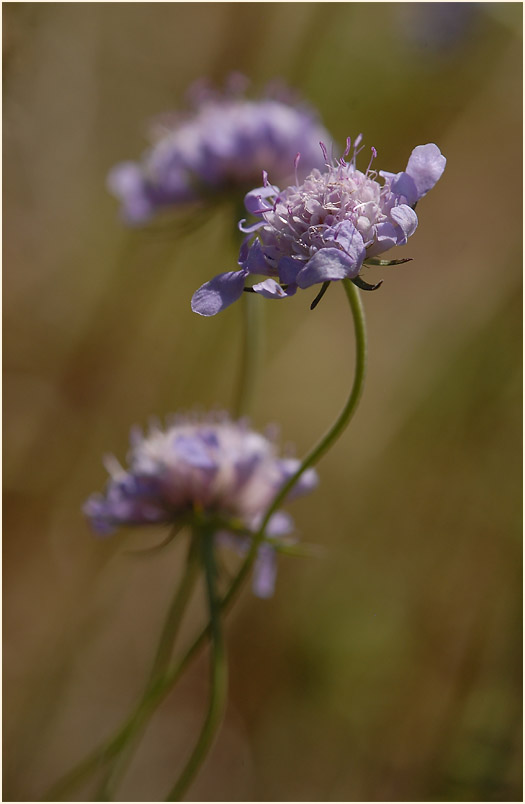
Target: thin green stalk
[
  {"x": 251, "y": 348},
  {"x": 311, "y": 459},
  {"x": 125, "y": 737},
  {"x": 328, "y": 439},
  {"x": 175, "y": 614},
  {"x": 218, "y": 678},
  {"x": 160, "y": 665},
  {"x": 252, "y": 330},
  {"x": 112, "y": 746}
]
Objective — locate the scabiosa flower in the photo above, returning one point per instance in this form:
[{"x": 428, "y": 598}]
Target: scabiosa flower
[
  {"x": 223, "y": 144},
  {"x": 207, "y": 467},
  {"x": 326, "y": 228}
]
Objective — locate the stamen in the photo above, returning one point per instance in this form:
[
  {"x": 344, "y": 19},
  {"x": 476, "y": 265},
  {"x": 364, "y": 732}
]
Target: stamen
[
  {"x": 296, "y": 164},
  {"x": 348, "y": 146},
  {"x": 356, "y": 149},
  {"x": 325, "y": 153},
  {"x": 374, "y": 155}
]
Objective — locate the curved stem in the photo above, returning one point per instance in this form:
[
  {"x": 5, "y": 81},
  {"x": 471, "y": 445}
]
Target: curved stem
[
  {"x": 311, "y": 459},
  {"x": 109, "y": 749},
  {"x": 251, "y": 349},
  {"x": 329, "y": 438},
  {"x": 218, "y": 679}
]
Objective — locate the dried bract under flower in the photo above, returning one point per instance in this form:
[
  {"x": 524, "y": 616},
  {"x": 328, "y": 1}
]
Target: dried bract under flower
[
  {"x": 209, "y": 467},
  {"x": 324, "y": 229}
]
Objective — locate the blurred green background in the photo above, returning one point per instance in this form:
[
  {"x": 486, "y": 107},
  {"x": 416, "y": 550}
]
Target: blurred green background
[{"x": 388, "y": 668}]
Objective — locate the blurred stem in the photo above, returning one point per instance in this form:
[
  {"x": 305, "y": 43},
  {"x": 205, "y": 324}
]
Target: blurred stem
[
  {"x": 125, "y": 739},
  {"x": 160, "y": 665},
  {"x": 343, "y": 420},
  {"x": 327, "y": 441},
  {"x": 175, "y": 614},
  {"x": 252, "y": 330},
  {"x": 251, "y": 349},
  {"x": 164, "y": 684},
  {"x": 218, "y": 677}
]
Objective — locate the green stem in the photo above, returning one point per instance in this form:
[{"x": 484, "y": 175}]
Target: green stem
[
  {"x": 251, "y": 349},
  {"x": 113, "y": 746},
  {"x": 326, "y": 442},
  {"x": 124, "y": 740},
  {"x": 160, "y": 665},
  {"x": 311, "y": 459},
  {"x": 175, "y": 614},
  {"x": 218, "y": 678}
]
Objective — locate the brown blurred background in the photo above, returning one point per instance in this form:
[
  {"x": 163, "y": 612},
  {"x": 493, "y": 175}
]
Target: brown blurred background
[{"x": 388, "y": 668}]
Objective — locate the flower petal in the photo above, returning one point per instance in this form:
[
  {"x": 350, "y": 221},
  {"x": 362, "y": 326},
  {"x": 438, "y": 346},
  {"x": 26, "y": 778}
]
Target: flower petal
[
  {"x": 347, "y": 236},
  {"x": 271, "y": 289},
  {"x": 330, "y": 264},
  {"x": 306, "y": 483},
  {"x": 218, "y": 293},
  {"x": 252, "y": 259},
  {"x": 403, "y": 184},
  {"x": 264, "y": 571},
  {"x": 386, "y": 237},
  {"x": 425, "y": 166},
  {"x": 288, "y": 269},
  {"x": 126, "y": 182},
  {"x": 254, "y": 200},
  {"x": 193, "y": 452},
  {"x": 280, "y": 524},
  {"x": 406, "y": 219}
]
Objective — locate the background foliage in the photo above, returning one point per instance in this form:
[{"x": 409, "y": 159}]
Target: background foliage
[{"x": 389, "y": 668}]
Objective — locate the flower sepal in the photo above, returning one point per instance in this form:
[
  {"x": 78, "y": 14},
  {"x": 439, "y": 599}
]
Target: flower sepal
[
  {"x": 362, "y": 285},
  {"x": 386, "y": 263}
]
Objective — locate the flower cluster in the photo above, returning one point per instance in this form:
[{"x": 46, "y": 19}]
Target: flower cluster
[
  {"x": 209, "y": 467},
  {"x": 223, "y": 143},
  {"x": 324, "y": 229}
]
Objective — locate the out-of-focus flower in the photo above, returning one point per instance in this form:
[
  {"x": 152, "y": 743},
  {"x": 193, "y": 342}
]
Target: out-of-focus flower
[
  {"x": 202, "y": 469},
  {"x": 221, "y": 145},
  {"x": 437, "y": 28},
  {"x": 326, "y": 228}
]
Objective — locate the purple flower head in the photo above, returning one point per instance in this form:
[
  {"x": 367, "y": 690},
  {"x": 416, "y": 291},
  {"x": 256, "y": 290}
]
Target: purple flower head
[
  {"x": 209, "y": 467},
  {"x": 221, "y": 144},
  {"x": 324, "y": 229}
]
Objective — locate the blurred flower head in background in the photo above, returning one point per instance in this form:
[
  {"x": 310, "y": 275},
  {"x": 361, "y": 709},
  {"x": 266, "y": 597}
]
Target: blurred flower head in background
[
  {"x": 437, "y": 28},
  {"x": 202, "y": 468},
  {"x": 222, "y": 144},
  {"x": 326, "y": 228}
]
